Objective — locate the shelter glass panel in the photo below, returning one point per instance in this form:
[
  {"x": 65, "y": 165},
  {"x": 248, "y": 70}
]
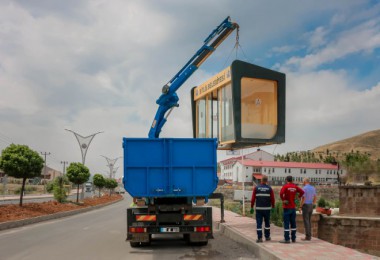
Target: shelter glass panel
[
  {"x": 227, "y": 133},
  {"x": 258, "y": 108}
]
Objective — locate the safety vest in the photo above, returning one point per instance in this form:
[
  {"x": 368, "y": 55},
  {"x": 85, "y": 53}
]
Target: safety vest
[{"x": 263, "y": 201}]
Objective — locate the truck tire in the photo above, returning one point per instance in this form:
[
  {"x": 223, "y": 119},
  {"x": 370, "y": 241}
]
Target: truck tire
[
  {"x": 135, "y": 244},
  {"x": 203, "y": 243}
]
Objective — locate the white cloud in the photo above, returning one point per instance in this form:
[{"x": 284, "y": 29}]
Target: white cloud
[
  {"x": 318, "y": 38},
  {"x": 362, "y": 38},
  {"x": 322, "y": 108},
  {"x": 97, "y": 66}
]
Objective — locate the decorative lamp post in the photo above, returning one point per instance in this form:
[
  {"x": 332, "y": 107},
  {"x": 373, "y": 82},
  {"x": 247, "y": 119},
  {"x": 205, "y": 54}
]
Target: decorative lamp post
[{"x": 84, "y": 142}]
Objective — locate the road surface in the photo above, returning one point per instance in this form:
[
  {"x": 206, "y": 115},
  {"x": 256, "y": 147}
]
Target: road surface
[{"x": 100, "y": 234}]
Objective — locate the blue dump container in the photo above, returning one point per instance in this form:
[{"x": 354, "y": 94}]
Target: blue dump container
[{"x": 170, "y": 167}]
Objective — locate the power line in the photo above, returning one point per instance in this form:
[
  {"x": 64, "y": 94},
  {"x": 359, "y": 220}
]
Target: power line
[{"x": 4, "y": 137}]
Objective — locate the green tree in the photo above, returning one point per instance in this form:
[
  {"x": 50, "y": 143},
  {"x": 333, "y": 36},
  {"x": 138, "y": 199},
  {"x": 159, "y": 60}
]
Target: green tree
[
  {"x": 110, "y": 184},
  {"x": 78, "y": 174},
  {"x": 99, "y": 181},
  {"x": 330, "y": 159},
  {"x": 20, "y": 161},
  {"x": 58, "y": 188}
]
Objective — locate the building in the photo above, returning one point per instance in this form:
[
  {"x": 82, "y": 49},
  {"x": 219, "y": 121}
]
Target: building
[
  {"x": 49, "y": 174},
  {"x": 238, "y": 170},
  {"x": 226, "y": 166}
]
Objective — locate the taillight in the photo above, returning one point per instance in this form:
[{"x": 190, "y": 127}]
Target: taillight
[
  {"x": 202, "y": 229},
  {"x": 137, "y": 230}
]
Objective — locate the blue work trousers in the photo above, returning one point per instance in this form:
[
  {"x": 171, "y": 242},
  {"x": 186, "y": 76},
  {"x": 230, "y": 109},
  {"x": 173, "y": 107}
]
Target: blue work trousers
[
  {"x": 260, "y": 215},
  {"x": 290, "y": 226}
]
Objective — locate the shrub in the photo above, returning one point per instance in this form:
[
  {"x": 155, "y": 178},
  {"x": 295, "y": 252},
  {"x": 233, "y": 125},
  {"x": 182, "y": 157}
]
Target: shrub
[
  {"x": 59, "y": 194},
  {"x": 59, "y": 190},
  {"x": 277, "y": 215},
  {"x": 27, "y": 189},
  {"x": 322, "y": 203},
  {"x": 50, "y": 186}
]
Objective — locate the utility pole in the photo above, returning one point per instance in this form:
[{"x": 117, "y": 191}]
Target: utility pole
[
  {"x": 64, "y": 166},
  {"x": 45, "y": 170}
]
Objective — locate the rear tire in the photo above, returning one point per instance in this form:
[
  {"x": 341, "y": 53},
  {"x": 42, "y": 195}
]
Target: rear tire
[
  {"x": 204, "y": 243},
  {"x": 135, "y": 244}
]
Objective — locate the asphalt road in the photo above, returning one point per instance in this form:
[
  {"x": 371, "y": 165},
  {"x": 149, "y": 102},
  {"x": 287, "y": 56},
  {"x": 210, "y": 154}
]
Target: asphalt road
[{"x": 100, "y": 234}]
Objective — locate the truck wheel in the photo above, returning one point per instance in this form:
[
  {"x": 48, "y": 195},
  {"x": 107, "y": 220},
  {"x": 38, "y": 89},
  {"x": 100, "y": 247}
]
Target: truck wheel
[
  {"x": 204, "y": 243},
  {"x": 134, "y": 244}
]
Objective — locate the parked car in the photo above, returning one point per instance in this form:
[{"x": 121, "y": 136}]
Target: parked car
[{"x": 119, "y": 190}]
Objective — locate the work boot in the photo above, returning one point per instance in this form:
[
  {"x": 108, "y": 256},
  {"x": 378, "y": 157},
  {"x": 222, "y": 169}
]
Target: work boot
[
  {"x": 267, "y": 239},
  {"x": 293, "y": 240},
  {"x": 259, "y": 240},
  {"x": 284, "y": 241},
  {"x": 306, "y": 239}
]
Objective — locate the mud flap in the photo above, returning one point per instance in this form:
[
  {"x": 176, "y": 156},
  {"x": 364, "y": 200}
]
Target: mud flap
[
  {"x": 143, "y": 238},
  {"x": 198, "y": 237}
]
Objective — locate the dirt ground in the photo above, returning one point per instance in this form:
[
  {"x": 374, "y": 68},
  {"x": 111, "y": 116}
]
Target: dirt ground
[{"x": 10, "y": 212}]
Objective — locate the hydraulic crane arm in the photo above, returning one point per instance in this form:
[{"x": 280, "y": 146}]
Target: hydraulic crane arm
[{"x": 169, "y": 99}]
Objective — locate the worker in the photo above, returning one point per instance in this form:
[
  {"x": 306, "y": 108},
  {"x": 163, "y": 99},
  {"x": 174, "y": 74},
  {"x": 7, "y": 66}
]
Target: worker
[
  {"x": 263, "y": 197},
  {"x": 288, "y": 195},
  {"x": 308, "y": 201}
]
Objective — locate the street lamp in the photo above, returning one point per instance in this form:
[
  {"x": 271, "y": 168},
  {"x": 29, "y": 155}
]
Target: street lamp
[
  {"x": 84, "y": 143},
  {"x": 111, "y": 164}
]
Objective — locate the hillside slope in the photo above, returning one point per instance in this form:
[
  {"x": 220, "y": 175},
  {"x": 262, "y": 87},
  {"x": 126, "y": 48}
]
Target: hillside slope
[{"x": 365, "y": 143}]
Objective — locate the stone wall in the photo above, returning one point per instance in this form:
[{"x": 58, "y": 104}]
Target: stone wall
[
  {"x": 360, "y": 201},
  {"x": 358, "y": 233},
  {"x": 330, "y": 193}
]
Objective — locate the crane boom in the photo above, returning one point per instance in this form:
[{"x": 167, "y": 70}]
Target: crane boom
[{"x": 169, "y": 99}]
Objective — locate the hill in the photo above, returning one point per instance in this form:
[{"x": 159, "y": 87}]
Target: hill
[{"x": 364, "y": 143}]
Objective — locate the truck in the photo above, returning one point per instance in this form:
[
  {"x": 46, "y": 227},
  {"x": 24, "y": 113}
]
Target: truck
[
  {"x": 171, "y": 179},
  {"x": 89, "y": 186}
]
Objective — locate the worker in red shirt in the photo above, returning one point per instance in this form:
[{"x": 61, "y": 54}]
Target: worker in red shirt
[{"x": 288, "y": 195}]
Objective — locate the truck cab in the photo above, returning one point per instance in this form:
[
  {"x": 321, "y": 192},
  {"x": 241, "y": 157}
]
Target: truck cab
[{"x": 88, "y": 187}]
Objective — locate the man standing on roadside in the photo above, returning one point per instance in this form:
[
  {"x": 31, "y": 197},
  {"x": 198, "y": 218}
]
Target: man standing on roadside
[
  {"x": 308, "y": 200},
  {"x": 288, "y": 194},
  {"x": 263, "y": 196}
]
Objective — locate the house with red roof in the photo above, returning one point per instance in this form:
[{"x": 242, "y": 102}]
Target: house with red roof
[{"x": 245, "y": 169}]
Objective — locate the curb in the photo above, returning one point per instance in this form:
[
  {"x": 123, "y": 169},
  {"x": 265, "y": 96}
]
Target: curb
[
  {"x": 24, "y": 222},
  {"x": 256, "y": 249}
]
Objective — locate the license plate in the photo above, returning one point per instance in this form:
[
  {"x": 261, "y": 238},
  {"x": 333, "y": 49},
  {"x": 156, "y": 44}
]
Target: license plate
[{"x": 169, "y": 229}]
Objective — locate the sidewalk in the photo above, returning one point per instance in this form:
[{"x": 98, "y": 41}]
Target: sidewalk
[{"x": 243, "y": 230}]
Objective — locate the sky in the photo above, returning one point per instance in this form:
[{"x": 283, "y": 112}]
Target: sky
[{"x": 99, "y": 66}]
